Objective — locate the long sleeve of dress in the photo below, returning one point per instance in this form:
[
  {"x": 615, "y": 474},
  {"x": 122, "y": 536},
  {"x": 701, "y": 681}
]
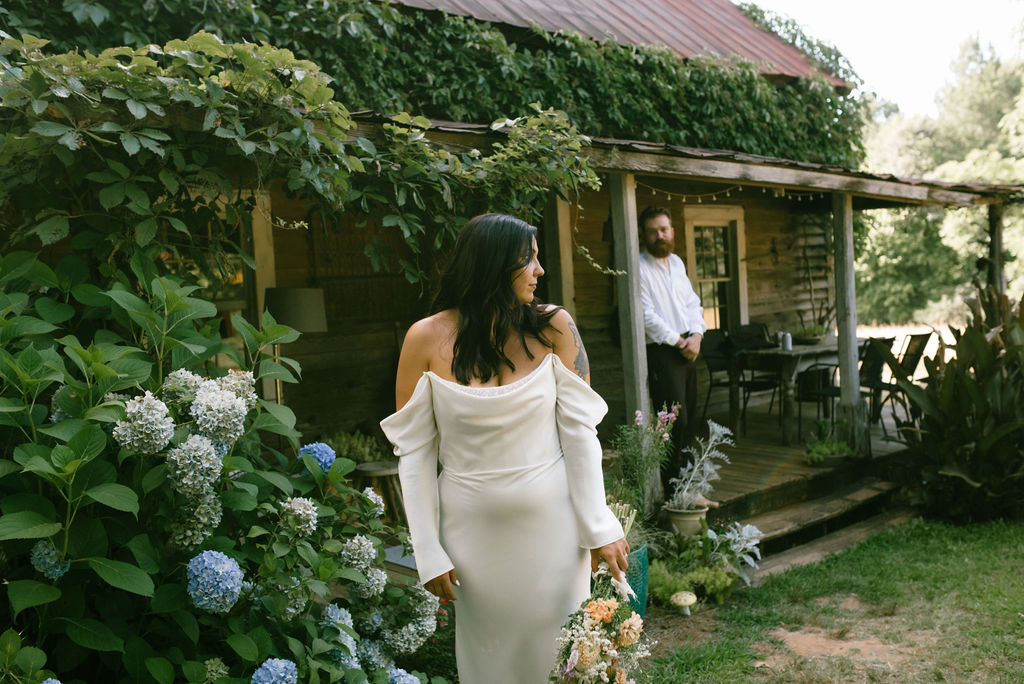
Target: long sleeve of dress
[
  {"x": 578, "y": 411},
  {"x": 413, "y": 432}
]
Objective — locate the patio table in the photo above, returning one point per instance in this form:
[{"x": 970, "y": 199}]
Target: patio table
[{"x": 789, "y": 364}]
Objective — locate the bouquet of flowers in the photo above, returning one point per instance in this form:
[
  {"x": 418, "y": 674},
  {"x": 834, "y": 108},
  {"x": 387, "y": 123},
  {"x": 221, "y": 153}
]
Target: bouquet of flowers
[{"x": 603, "y": 641}]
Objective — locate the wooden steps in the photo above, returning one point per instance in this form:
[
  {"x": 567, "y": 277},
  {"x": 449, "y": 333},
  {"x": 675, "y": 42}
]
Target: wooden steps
[
  {"x": 830, "y": 543},
  {"x": 799, "y": 522}
]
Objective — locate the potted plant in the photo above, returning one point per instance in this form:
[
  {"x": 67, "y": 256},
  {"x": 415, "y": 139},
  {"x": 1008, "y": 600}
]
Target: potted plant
[
  {"x": 689, "y": 502},
  {"x": 634, "y": 474},
  {"x": 824, "y": 448}
]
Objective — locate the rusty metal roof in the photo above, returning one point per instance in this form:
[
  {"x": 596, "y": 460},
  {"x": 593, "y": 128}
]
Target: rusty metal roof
[{"x": 688, "y": 27}]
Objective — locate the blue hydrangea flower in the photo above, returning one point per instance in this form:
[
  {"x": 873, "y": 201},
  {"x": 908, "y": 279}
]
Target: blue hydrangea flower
[
  {"x": 335, "y": 615},
  {"x": 276, "y": 671},
  {"x": 373, "y": 656},
  {"x": 345, "y": 660},
  {"x": 400, "y": 676},
  {"x": 214, "y": 581},
  {"x": 321, "y": 453},
  {"x": 50, "y": 680},
  {"x": 370, "y": 623},
  {"x": 44, "y": 559}
]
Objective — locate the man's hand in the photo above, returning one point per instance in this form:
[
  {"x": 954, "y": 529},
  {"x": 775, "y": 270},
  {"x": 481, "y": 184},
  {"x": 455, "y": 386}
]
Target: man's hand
[{"x": 689, "y": 346}]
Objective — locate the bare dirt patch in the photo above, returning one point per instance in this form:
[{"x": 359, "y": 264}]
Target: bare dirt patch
[{"x": 858, "y": 643}]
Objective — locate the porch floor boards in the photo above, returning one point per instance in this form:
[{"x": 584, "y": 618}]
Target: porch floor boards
[{"x": 760, "y": 462}]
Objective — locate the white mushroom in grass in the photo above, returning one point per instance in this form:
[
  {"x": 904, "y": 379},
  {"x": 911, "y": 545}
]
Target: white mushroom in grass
[{"x": 683, "y": 600}]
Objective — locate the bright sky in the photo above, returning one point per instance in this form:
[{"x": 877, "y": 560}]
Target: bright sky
[{"x": 902, "y": 49}]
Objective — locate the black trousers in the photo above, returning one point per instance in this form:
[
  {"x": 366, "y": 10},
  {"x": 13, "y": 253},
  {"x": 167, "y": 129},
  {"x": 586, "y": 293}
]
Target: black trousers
[{"x": 673, "y": 380}]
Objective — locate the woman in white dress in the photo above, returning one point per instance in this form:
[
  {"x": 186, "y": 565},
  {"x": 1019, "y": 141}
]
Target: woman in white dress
[{"x": 494, "y": 386}]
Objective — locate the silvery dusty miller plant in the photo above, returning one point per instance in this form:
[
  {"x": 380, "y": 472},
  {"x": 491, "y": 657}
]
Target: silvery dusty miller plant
[{"x": 695, "y": 478}]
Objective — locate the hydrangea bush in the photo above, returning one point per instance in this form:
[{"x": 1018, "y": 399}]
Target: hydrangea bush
[{"x": 160, "y": 521}]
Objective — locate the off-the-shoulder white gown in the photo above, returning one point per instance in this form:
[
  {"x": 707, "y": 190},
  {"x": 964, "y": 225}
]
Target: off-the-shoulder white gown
[{"x": 519, "y": 501}]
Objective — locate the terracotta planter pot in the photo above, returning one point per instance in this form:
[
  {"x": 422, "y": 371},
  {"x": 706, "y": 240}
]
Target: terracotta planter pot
[{"x": 686, "y": 523}]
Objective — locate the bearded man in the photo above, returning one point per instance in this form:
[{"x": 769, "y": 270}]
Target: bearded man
[{"x": 673, "y": 326}]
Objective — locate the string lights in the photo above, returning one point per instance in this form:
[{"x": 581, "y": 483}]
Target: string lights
[{"x": 699, "y": 198}]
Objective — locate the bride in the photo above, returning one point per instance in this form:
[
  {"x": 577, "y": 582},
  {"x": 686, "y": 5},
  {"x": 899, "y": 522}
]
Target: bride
[{"x": 494, "y": 386}]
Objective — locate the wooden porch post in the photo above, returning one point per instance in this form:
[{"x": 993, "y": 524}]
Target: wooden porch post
[
  {"x": 852, "y": 413},
  {"x": 558, "y": 254},
  {"x": 265, "y": 273},
  {"x": 996, "y": 274},
  {"x": 622, "y": 187}
]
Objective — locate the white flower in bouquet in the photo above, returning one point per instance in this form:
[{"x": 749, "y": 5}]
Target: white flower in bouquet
[
  {"x": 218, "y": 413},
  {"x": 603, "y": 641},
  {"x": 148, "y": 428}
]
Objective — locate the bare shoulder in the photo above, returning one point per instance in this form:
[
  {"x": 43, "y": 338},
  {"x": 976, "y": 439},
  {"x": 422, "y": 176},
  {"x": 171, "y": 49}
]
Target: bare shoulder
[
  {"x": 423, "y": 345},
  {"x": 569, "y": 344}
]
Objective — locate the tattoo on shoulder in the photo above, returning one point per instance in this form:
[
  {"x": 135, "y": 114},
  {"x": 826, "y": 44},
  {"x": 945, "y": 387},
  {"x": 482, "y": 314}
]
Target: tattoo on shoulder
[{"x": 581, "y": 365}]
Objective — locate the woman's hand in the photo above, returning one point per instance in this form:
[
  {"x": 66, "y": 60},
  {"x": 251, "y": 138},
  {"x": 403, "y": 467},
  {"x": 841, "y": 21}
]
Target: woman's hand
[
  {"x": 614, "y": 555},
  {"x": 441, "y": 586}
]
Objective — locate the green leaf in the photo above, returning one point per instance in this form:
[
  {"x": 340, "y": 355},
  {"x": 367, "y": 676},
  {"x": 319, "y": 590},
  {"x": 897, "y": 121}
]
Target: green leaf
[
  {"x": 280, "y": 481},
  {"x": 244, "y": 646},
  {"x": 168, "y": 598},
  {"x": 53, "y": 311},
  {"x": 137, "y": 109},
  {"x": 145, "y": 231},
  {"x": 53, "y": 229},
  {"x": 188, "y": 624},
  {"x": 28, "y": 593},
  {"x": 10, "y": 644},
  {"x": 115, "y": 496},
  {"x": 93, "y": 635},
  {"x": 27, "y": 525},
  {"x": 169, "y": 179},
  {"x": 154, "y": 477},
  {"x": 31, "y": 659},
  {"x": 238, "y": 500},
  {"x": 111, "y": 195},
  {"x": 161, "y": 669},
  {"x": 8, "y": 467},
  {"x": 51, "y": 129},
  {"x": 130, "y": 143},
  {"x": 122, "y": 575}
]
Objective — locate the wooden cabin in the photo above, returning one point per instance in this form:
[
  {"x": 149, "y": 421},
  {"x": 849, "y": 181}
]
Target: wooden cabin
[{"x": 764, "y": 240}]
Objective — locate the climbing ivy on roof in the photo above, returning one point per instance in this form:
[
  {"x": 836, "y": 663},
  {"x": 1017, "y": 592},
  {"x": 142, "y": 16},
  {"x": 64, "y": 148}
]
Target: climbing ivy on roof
[
  {"x": 165, "y": 150},
  {"x": 390, "y": 59}
]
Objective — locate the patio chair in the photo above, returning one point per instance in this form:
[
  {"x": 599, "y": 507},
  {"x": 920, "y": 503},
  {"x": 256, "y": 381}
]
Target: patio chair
[
  {"x": 872, "y": 364},
  {"x": 754, "y": 336},
  {"x": 910, "y": 357}
]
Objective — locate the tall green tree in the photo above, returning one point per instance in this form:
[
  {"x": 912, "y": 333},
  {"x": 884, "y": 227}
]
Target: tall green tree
[{"x": 913, "y": 261}]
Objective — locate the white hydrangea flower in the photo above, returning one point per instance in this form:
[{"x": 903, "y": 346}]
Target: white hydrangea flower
[
  {"x": 373, "y": 656},
  {"x": 376, "y": 582},
  {"x": 193, "y": 465},
  {"x": 218, "y": 413},
  {"x": 148, "y": 428},
  {"x": 376, "y": 499},
  {"x": 302, "y": 512},
  {"x": 197, "y": 521},
  {"x": 242, "y": 384},
  {"x": 358, "y": 552},
  {"x": 180, "y": 384},
  {"x": 411, "y": 636}
]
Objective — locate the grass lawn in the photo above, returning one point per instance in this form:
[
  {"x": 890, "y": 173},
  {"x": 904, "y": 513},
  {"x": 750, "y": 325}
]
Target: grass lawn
[{"x": 921, "y": 602}]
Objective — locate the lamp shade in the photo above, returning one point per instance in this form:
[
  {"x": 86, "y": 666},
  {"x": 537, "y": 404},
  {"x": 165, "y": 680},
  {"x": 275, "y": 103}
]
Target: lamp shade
[{"x": 301, "y": 308}]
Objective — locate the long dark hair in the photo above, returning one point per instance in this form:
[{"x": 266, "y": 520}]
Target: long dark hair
[{"x": 477, "y": 283}]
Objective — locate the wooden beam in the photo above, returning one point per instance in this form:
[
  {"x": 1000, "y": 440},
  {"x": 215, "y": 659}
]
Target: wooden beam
[
  {"x": 852, "y": 411},
  {"x": 771, "y": 176},
  {"x": 265, "y": 273},
  {"x": 996, "y": 272},
  {"x": 561, "y": 281},
  {"x": 622, "y": 187}
]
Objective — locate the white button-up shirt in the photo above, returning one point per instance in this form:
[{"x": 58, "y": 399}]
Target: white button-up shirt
[{"x": 670, "y": 305}]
